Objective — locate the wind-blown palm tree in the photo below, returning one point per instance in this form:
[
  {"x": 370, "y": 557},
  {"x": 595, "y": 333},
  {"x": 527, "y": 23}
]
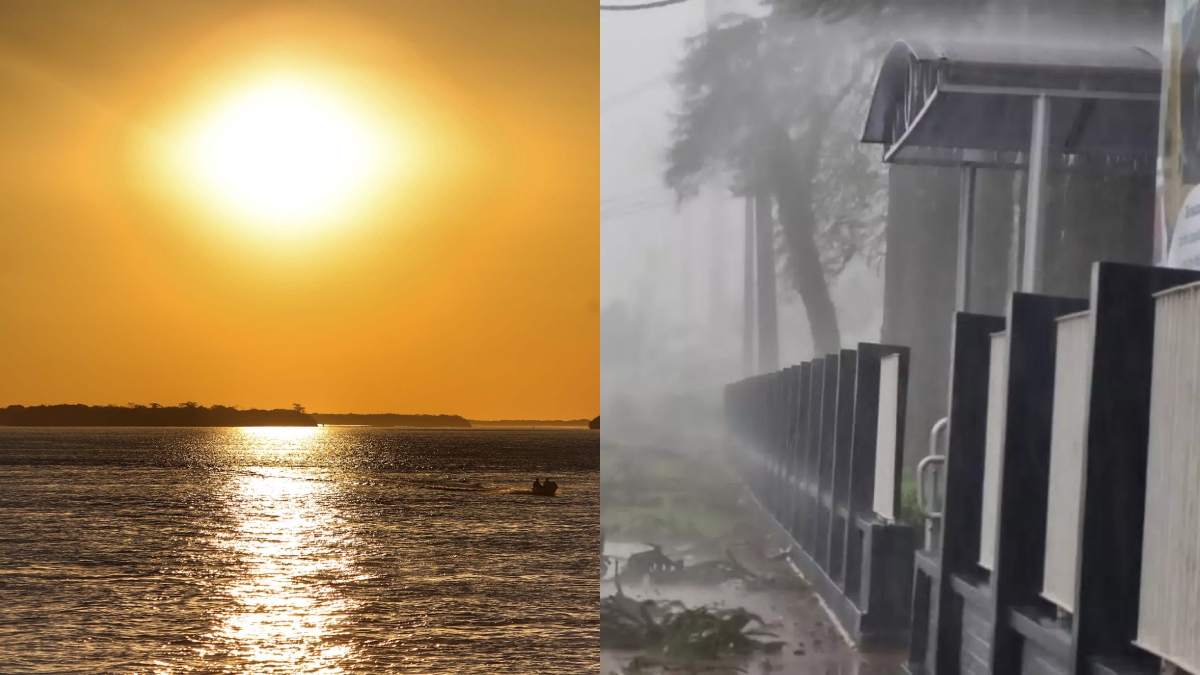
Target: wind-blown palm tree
[{"x": 766, "y": 107}]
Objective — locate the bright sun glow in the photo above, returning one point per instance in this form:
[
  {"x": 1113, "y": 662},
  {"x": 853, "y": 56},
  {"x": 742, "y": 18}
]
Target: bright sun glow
[{"x": 285, "y": 152}]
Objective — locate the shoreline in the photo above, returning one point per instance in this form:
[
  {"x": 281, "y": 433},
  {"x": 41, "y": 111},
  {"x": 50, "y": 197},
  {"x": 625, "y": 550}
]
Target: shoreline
[{"x": 278, "y": 426}]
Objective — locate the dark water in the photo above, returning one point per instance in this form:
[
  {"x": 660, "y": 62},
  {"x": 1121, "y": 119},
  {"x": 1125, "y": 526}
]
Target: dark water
[{"x": 297, "y": 551}]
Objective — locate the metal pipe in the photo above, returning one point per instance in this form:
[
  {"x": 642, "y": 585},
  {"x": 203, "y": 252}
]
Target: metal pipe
[
  {"x": 933, "y": 458},
  {"x": 966, "y": 234},
  {"x": 1035, "y": 213}
]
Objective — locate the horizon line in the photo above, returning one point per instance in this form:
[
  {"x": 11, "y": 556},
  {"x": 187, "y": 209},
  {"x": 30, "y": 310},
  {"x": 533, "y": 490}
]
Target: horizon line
[{"x": 302, "y": 409}]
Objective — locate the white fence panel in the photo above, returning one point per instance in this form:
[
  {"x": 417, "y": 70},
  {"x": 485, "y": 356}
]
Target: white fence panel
[
  {"x": 885, "y": 437},
  {"x": 997, "y": 408},
  {"x": 1169, "y": 612},
  {"x": 1072, "y": 378}
]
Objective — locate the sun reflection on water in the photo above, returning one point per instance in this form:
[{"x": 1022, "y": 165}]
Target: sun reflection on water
[
  {"x": 290, "y": 541},
  {"x": 281, "y": 439}
]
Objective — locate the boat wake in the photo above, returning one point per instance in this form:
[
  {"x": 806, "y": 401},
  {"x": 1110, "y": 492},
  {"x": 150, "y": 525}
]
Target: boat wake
[
  {"x": 479, "y": 488},
  {"x": 462, "y": 488}
]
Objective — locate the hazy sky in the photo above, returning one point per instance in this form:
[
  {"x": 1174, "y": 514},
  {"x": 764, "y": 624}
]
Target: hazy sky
[
  {"x": 464, "y": 279},
  {"x": 681, "y": 269},
  {"x": 639, "y": 51}
]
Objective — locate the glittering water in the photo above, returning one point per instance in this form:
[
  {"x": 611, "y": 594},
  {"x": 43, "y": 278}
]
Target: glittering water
[{"x": 297, "y": 551}]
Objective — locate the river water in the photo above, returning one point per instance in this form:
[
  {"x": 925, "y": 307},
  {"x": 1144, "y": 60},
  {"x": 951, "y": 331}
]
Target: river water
[{"x": 297, "y": 550}]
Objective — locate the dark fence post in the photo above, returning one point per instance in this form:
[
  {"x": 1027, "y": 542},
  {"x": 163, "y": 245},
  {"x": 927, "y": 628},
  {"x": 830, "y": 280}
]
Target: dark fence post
[
  {"x": 970, "y": 360},
  {"x": 784, "y": 387},
  {"x": 816, "y": 393},
  {"x": 1025, "y": 467},
  {"x": 885, "y": 592},
  {"x": 829, "y": 396},
  {"x": 799, "y": 486},
  {"x": 778, "y": 421},
  {"x": 862, "y": 459},
  {"x": 1114, "y": 474},
  {"x": 794, "y": 412},
  {"x": 842, "y": 445}
]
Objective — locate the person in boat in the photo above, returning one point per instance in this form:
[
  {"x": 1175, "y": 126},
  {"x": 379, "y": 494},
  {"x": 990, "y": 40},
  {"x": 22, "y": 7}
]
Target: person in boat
[
  {"x": 537, "y": 484},
  {"x": 549, "y": 484}
]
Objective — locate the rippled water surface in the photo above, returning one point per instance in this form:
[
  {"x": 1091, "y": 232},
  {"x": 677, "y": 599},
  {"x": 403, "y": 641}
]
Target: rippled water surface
[{"x": 297, "y": 551}]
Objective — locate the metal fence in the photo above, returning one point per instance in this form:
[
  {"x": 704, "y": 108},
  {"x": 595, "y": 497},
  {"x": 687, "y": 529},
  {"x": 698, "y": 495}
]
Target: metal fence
[
  {"x": 1067, "y": 436},
  {"x": 994, "y": 450},
  {"x": 1070, "y": 536},
  {"x": 884, "y": 501},
  {"x": 820, "y": 448},
  {"x": 1169, "y": 610}
]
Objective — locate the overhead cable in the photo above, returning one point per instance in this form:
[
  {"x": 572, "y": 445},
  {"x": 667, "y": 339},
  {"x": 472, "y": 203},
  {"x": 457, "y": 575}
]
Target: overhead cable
[{"x": 644, "y": 5}]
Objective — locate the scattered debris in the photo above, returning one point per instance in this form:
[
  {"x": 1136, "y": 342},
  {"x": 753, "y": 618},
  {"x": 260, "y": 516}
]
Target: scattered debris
[
  {"x": 694, "y": 599},
  {"x": 672, "y": 630},
  {"x": 648, "y": 564},
  {"x": 657, "y": 568}
]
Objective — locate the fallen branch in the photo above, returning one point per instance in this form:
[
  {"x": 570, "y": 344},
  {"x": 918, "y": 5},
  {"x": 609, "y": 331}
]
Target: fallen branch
[{"x": 672, "y": 630}]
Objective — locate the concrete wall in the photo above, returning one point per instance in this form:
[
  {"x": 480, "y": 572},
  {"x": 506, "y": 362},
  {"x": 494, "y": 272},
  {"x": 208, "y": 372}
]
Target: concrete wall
[
  {"x": 919, "y": 290},
  {"x": 1037, "y": 661}
]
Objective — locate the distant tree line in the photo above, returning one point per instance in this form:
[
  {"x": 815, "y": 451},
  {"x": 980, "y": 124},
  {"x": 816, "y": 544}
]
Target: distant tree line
[
  {"x": 191, "y": 414},
  {"x": 529, "y": 423},
  {"x": 391, "y": 420},
  {"x": 187, "y": 414}
]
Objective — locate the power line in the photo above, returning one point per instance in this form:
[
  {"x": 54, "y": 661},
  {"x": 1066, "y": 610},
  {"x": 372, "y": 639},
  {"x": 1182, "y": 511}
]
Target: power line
[
  {"x": 631, "y": 213},
  {"x": 633, "y": 92},
  {"x": 644, "y": 5},
  {"x": 633, "y": 208},
  {"x": 633, "y": 195}
]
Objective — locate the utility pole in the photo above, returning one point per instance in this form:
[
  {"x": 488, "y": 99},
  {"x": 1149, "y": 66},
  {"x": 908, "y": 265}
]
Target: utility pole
[
  {"x": 717, "y": 234},
  {"x": 748, "y": 294},
  {"x": 768, "y": 327}
]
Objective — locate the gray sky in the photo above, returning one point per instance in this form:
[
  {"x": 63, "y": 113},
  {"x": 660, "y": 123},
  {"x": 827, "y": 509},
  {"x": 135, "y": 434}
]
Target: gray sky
[
  {"x": 638, "y": 53},
  {"x": 642, "y": 234},
  {"x": 682, "y": 267}
]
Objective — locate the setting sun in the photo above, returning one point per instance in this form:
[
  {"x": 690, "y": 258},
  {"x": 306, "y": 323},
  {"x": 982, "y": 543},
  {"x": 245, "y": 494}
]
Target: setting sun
[
  {"x": 364, "y": 205},
  {"x": 284, "y": 152}
]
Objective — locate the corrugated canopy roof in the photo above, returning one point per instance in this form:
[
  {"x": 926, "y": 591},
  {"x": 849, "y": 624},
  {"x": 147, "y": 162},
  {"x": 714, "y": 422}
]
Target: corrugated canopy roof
[{"x": 930, "y": 99}]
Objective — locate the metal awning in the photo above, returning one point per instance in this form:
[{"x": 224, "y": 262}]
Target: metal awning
[
  {"x": 957, "y": 103},
  {"x": 993, "y": 105}
]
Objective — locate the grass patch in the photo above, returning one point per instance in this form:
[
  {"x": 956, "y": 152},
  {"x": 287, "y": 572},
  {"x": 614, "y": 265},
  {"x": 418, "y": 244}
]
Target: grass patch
[
  {"x": 910, "y": 512},
  {"x": 659, "y": 496}
]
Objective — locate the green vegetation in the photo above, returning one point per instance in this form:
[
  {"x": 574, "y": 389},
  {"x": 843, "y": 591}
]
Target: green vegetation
[
  {"x": 669, "y": 497},
  {"x": 910, "y": 513}
]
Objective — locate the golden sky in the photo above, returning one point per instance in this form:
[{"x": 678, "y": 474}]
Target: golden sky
[{"x": 459, "y": 274}]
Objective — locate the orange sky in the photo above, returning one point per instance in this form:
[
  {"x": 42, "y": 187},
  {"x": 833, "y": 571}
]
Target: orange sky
[{"x": 468, "y": 283}]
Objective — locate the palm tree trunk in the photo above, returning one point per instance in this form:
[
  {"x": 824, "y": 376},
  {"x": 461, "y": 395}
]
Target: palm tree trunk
[{"x": 792, "y": 169}]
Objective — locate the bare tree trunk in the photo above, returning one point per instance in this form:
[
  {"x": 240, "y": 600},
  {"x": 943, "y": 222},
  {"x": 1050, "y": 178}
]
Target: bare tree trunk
[{"x": 792, "y": 169}]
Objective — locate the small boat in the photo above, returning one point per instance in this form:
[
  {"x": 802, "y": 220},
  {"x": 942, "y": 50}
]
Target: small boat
[{"x": 546, "y": 489}]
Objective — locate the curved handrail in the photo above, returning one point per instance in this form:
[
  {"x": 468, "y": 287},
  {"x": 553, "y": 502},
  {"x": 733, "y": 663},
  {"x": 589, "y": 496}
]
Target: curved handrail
[{"x": 934, "y": 457}]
